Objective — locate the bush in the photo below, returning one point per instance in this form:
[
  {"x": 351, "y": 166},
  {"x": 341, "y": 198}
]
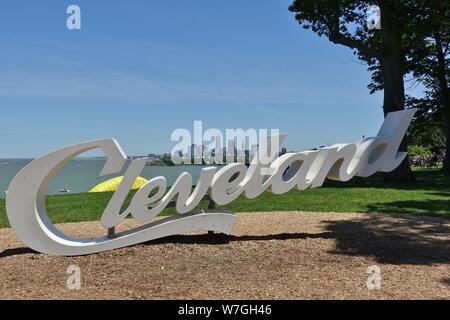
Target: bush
[{"x": 419, "y": 151}]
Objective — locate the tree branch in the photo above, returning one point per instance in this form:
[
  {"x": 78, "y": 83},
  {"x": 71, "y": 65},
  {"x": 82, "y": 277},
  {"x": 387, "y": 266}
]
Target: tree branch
[
  {"x": 335, "y": 36},
  {"x": 338, "y": 38}
]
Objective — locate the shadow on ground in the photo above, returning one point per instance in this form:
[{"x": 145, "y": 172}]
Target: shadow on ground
[
  {"x": 394, "y": 239},
  {"x": 388, "y": 238},
  {"x": 431, "y": 207},
  {"x": 432, "y": 180},
  {"x": 217, "y": 239},
  {"x": 16, "y": 252},
  {"x": 208, "y": 239}
]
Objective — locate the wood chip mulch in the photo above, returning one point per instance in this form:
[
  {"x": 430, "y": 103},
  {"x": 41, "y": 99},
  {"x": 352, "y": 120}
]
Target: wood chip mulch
[{"x": 277, "y": 255}]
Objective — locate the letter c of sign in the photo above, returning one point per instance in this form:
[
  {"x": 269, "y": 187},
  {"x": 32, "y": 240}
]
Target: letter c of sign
[
  {"x": 25, "y": 200},
  {"x": 28, "y": 217}
]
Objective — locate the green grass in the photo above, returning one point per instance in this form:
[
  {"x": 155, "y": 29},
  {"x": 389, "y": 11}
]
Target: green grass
[{"x": 430, "y": 195}]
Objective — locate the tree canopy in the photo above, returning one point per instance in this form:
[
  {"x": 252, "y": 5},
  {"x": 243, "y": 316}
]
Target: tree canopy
[{"x": 403, "y": 46}]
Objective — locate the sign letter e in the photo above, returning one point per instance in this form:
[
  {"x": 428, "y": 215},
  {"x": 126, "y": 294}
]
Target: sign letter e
[{"x": 74, "y": 19}]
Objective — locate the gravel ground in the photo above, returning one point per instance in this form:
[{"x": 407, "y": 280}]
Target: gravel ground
[{"x": 278, "y": 255}]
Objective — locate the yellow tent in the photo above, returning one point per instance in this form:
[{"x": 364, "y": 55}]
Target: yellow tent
[{"x": 113, "y": 185}]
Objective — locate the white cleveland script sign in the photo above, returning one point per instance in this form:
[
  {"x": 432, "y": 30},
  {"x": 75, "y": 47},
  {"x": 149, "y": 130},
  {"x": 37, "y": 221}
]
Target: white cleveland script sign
[{"x": 26, "y": 195}]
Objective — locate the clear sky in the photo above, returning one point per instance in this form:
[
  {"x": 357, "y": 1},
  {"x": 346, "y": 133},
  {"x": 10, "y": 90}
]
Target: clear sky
[{"x": 139, "y": 69}]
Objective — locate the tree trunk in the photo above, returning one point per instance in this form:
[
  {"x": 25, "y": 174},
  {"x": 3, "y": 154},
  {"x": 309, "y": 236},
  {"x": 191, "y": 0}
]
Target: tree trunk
[
  {"x": 392, "y": 60},
  {"x": 445, "y": 97},
  {"x": 446, "y": 167}
]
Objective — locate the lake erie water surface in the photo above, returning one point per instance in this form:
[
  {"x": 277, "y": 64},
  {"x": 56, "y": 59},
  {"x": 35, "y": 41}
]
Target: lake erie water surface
[{"x": 82, "y": 174}]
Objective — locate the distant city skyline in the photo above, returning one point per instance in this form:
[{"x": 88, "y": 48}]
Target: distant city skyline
[{"x": 138, "y": 70}]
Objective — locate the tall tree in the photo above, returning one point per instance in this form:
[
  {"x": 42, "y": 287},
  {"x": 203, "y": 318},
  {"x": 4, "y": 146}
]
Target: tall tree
[
  {"x": 428, "y": 61},
  {"x": 344, "y": 22},
  {"x": 428, "y": 129}
]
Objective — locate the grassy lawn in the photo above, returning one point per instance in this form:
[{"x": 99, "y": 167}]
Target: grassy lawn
[{"x": 430, "y": 195}]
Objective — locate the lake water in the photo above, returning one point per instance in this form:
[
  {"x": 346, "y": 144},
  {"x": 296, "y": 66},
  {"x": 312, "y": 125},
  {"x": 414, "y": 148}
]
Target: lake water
[{"x": 82, "y": 174}]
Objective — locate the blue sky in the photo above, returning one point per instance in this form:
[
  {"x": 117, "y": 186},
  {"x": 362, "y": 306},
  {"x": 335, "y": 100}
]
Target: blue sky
[{"x": 140, "y": 69}]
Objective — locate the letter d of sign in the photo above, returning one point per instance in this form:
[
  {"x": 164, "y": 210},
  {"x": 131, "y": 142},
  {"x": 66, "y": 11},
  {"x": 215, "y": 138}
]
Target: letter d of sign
[{"x": 25, "y": 202}]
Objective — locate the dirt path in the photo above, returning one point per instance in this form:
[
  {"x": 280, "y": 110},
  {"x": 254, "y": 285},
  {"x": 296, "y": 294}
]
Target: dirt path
[{"x": 290, "y": 255}]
